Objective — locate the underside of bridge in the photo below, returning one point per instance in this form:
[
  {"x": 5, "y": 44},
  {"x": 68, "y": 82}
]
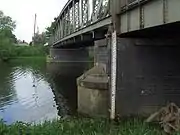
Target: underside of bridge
[
  {"x": 148, "y": 47},
  {"x": 163, "y": 31},
  {"x": 148, "y": 72}
]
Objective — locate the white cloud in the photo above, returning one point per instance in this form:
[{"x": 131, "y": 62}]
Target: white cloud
[{"x": 23, "y": 11}]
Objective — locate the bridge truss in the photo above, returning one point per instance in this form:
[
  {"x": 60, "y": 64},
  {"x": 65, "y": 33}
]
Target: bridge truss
[
  {"x": 80, "y": 19},
  {"x": 78, "y": 14}
]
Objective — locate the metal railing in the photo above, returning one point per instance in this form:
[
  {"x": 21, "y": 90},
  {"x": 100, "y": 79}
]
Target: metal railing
[{"x": 78, "y": 14}]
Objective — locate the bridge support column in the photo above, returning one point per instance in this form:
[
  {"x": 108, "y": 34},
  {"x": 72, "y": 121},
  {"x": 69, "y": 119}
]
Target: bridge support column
[
  {"x": 148, "y": 75},
  {"x": 93, "y": 95}
]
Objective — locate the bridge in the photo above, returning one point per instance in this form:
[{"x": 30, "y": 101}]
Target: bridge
[
  {"x": 136, "y": 42},
  {"x": 87, "y": 20}
]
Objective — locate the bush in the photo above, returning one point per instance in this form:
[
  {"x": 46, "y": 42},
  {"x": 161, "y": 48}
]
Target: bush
[
  {"x": 5, "y": 48},
  {"x": 7, "y": 51},
  {"x": 26, "y": 51}
]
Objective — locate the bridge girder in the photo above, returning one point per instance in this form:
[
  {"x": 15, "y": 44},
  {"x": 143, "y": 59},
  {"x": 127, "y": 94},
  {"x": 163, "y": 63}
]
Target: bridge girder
[{"x": 79, "y": 17}]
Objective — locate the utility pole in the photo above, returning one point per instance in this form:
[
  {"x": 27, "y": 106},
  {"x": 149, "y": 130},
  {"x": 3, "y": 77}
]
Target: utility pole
[{"x": 34, "y": 28}]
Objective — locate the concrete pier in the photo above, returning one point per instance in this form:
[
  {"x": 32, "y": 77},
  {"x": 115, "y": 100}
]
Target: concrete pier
[
  {"x": 93, "y": 92},
  {"x": 93, "y": 85}
]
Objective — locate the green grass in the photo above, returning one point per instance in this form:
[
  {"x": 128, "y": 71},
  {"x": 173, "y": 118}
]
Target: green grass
[{"x": 83, "y": 126}]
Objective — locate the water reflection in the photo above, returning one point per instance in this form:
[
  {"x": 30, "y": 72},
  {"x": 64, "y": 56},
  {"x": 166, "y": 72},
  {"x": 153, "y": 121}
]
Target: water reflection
[
  {"x": 33, "y": 91},
  {"x": 25, "y": 95},
  {"x": 64, "y": 77}
]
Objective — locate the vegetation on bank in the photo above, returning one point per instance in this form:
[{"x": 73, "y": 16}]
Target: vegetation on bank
[
  {"x": 11, "y": 52},
  {"x": 9, "y": 44},
  {"x": 83, "y": 126}
]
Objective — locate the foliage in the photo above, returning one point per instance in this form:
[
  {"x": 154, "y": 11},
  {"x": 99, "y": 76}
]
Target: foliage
[
  {"x": 7, "y": 38},
  {"x": 40, "y": 38},
  {"x": 5, "y": 48},
  {"x": 50, "y": 29},
  {"x": 82, "y": 126},
  {"x": 26, "y": 51},
  {"x": 6, "y": 22},
  {"x": 7, "y": 25},
  {"x": 13, "y": 51},
  {"x": 8, "y": 49},
  {"x": 6, "y": 33}
]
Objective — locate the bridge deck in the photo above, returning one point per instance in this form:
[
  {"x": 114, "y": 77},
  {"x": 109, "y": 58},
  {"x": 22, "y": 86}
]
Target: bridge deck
[{"x": 135, "y": 15}]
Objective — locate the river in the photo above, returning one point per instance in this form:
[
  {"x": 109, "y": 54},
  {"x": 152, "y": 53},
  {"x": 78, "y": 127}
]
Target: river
[{"x": 34, "y": 91}]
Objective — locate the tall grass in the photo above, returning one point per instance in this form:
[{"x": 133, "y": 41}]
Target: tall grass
[{"x": 82, "y": 126}]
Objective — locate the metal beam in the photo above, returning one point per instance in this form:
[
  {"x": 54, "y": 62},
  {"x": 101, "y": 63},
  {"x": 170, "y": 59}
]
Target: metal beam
[
  {"x": 102, "y": 23},
  {"x": 144, "y": 14}
]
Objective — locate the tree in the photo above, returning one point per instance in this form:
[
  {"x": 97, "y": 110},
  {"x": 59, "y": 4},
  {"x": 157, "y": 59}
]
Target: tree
[
  {"x": 6, "y": 22},
  {"x": 7, "y": 33},
  {"x": 50, "y": 30},
  {"x": 40, "y": 39},
  {"x": 7, "y": 38},
  {"x": 7, "y": 25}
]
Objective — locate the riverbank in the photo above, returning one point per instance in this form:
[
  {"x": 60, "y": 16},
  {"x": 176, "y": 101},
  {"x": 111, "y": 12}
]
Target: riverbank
[
  {"x": 28, "y": 58},
  {"x": 83, "y": 126},
  {"x": 25, "y": 60},
  {"x": 17, "y": 52}
]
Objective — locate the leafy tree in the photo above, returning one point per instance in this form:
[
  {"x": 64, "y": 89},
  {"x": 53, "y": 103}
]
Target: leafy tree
[
  {"x": 7, "y": 33},
  {"x": 7, "y": 25},
  {"x": 45, "y": 36},
  {"x": 7, "y": 38},
  {"x": 40, "y": 39},
  {"x": 50, "y": 29},
  {"x": 6, "y": 22}
]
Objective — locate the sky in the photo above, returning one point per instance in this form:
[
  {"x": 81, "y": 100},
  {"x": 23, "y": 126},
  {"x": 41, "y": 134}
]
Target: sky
[{"x": 23, "y": 12}]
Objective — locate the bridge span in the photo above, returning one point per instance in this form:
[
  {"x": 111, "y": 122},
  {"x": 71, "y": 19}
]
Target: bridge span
[
  {"x": 89, "y": 20},
  {"x": 136, "y": 46}
]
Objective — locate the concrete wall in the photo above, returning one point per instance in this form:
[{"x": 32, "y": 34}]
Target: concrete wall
[
  {"x": 148, "y": 77},
  {"x": 93, "y": 102},
  {"x": 102, "y": 53},
  {"x": 93, "y": 94},
  {"x": 69, "y": 55}
]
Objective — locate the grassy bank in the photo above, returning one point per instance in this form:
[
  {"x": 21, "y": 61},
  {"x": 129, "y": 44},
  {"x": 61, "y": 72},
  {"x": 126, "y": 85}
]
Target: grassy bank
[
  {"x": 13, "y": 52},
  {"x": 29, "y": 51},
  {"x": 83, "y": 126},
  {"x": 28, "y": 59}
]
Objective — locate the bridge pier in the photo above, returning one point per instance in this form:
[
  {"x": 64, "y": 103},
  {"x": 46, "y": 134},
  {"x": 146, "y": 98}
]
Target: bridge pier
[
  {"x": 148, "y": 74},
  {"x": 147, "y": 77},
  {"x": 93, "y": 94}
]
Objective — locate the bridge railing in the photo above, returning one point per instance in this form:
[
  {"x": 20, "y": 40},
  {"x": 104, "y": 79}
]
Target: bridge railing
[{"x": 78, "y": 14}]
